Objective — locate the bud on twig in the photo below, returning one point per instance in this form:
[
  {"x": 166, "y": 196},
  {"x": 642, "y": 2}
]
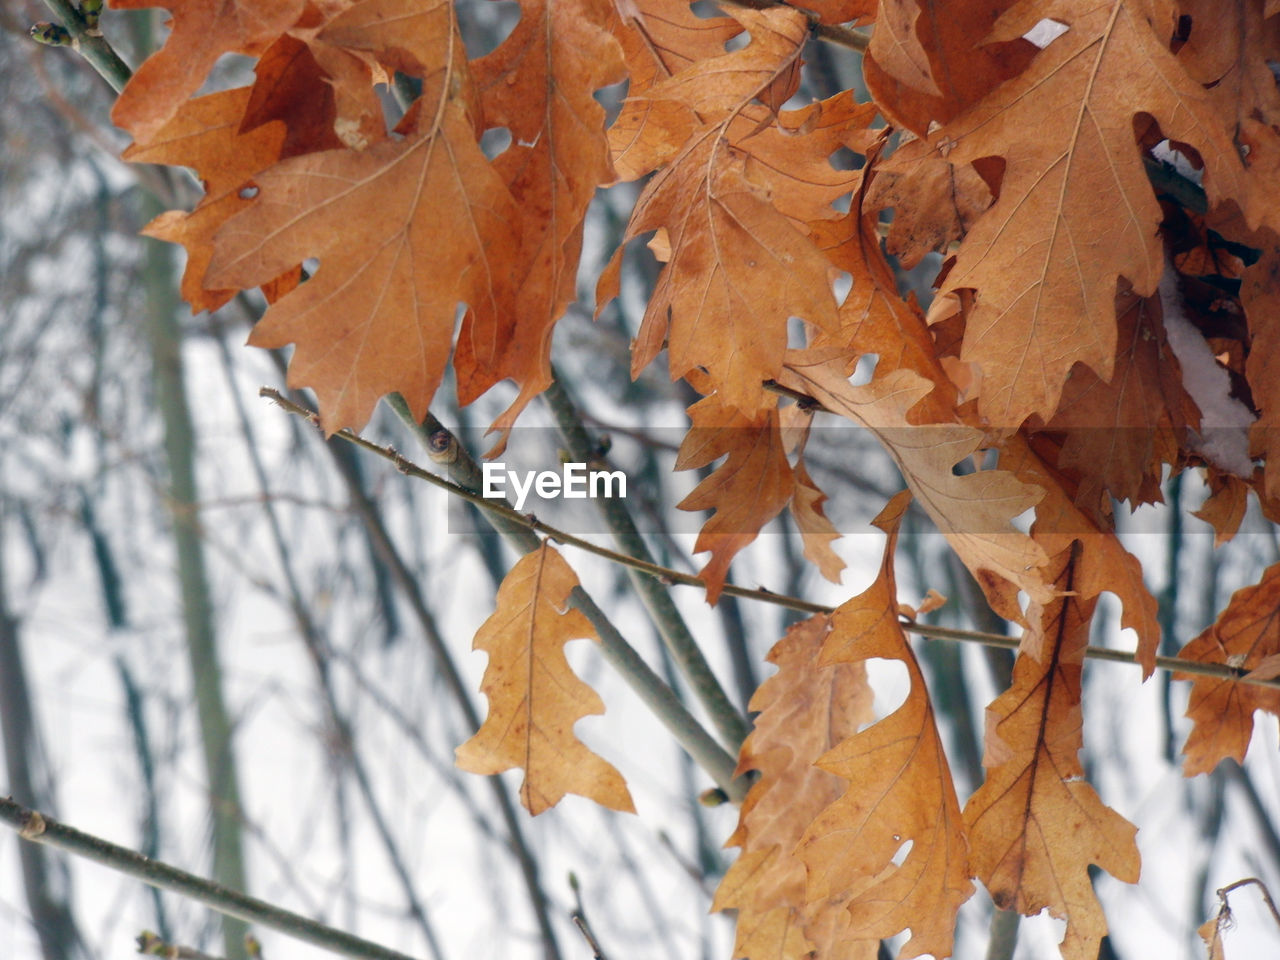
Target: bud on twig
[{"x": 51, "y": 34}]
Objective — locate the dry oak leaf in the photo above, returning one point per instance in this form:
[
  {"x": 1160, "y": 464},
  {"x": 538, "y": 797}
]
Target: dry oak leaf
[
  {"x": 935, "y": 202},
  {"x": 534, "y": 697},
  {"x": 659, "y": 40},
  {"x": 1225, "y": 507},
  {"x": 1120, "y": 433},
  {"x": 404, "y": 231},
  {"x": 896, "y": 48},
  {"x": 205, "y": 135},
  {"x": 1035, "y": 825},
  {"x": 1075, "y": 210},
  {"x": 1245, "y": 634},
  {"x": 201, "y": 32},
  {"x": 874, "y": 318},
  {"x": 975, "y": 511},
  {"x": 816, "y": 531},
  {"x": 746, "y": 491},
  {"x": 540, "y": 85},
  {"x": 1102, "y": 564},
  {"x": 962, "y": 68},
  {"x": 717, "y": 87},
  {"x": 803, "y": 711},
  {"x": 1260, "y": 294},
  {"x": 899, "y": 791},
  {"x": 738, "y": 267}
]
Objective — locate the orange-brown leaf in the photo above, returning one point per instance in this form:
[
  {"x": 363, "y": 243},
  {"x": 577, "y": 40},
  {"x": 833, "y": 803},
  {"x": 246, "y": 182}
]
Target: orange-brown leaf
[
  {"x": 975, "y": 512},
  {"x": 1102, "y": 564},
  {"x": 534, "y": 697},
  {"x": 804, "y": 711},
  {"x": 404, "y": 231},
  {"x": 1245, "y": 634},
  {"x": 1076, "y": 210},
  {"x": 206, "y": 136},
  {"x": 816, "y": 531},
  {"x": 746, "y": 491},
  {"x": 201, "y": 32},
  {"x": 1120, "y": 433},
  {"x": 1035, "y": 826},
  {"x": 899, "y": 792},
  {"x": 540, "y": 85}
]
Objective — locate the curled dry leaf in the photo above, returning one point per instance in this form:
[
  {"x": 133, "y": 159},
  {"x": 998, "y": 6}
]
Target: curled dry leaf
[{"x": 534, "y": 697}]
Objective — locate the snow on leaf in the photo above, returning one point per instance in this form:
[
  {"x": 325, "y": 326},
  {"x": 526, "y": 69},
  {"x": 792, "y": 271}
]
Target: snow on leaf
[
  {"x": 534, "y": 697},
  {"x": 899, "y": 791},
  {"x": 1035, "y": 825},
  {"x": 1244, "y": 635}
]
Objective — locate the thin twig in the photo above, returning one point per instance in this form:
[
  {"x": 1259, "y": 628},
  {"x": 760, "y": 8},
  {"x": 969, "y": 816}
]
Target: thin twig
[
  {"x": 1220, "y": 671},
  {"x": 729, "y": 721},
  {"x": 91, "y": 45},
  {"x": 1223, "y": 893},
  {"x": 38, "y": 828}
]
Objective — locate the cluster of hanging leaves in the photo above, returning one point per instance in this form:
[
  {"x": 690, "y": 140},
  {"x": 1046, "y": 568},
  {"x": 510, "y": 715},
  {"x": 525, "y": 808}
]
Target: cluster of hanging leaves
[{"x": 1099, "y": 319}]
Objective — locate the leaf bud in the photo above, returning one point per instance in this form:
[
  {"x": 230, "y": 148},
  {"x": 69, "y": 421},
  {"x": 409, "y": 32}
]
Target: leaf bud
[{"x": 50, "y": 34}]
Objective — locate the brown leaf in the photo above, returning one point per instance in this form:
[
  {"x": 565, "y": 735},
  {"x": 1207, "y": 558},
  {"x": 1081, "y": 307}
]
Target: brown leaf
[
  {"x": 804, "y": 710},
  {"x": 975, "y": 512},
  {"x": 899, "y": 792},
  {"x": 658, "y": 41},
  {"x": 1102, "y": 563},
  {"x": 962, "y": 67},
  {"x": 1225, "y": 507},
  {"x": 1075, "y": 210},
  {"x": 896, "y": 49},
  {"x": 534, "y": 697},
  {"x": 1035, "y": 826},
  {"x": 935, "y": 202},
  {"x": 540, "y": 84},
  {"x": 816, "y": 531},
  {"x": 746, "y": 491},
  {"x": 738, "y": 266},
  {"x": 1245, "y": 634},
  {"x": 206, "y": 136},
  {"x": 716, "y": 87},
  {"x": 200, "y": 33},
  {"x": 404, "y": 230},
  {"x": 1121, "y": 433}
]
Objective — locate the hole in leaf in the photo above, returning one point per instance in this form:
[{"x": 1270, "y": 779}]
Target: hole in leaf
[
  {"x": 846, "y": 159},
  {"x": 494, "y": 141},
  {"x": 1045, "y": 32},
  {"x": 900, "y": 857},
  {"x": 248, "y": 192},
  {"x": 865, "y": 369},
  {"x": 891, "y": 683}
]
